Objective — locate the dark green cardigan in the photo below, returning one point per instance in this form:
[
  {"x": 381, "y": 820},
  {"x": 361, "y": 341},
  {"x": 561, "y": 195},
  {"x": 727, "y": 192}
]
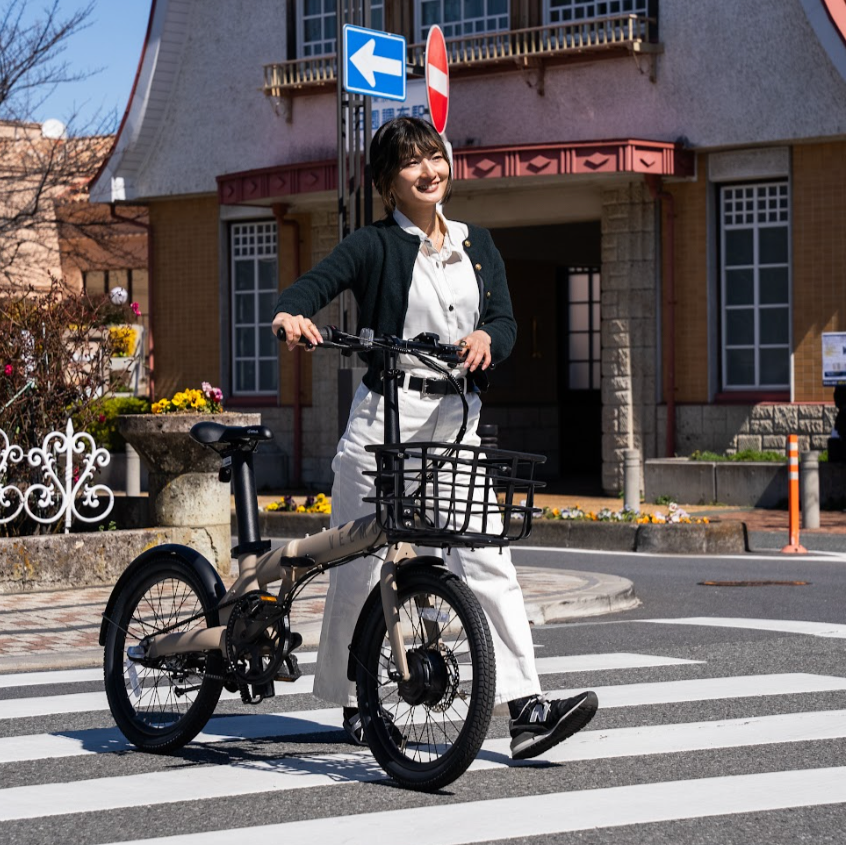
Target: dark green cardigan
[{"x": 376, "y": 264}]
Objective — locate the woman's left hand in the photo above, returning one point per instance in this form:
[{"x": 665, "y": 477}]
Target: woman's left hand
[{"x": 477, "y": 350}]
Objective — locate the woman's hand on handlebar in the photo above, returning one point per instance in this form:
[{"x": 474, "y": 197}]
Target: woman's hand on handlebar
[
  {"x": 476, "y": 348},
  {"x": 296, "y": 329}
]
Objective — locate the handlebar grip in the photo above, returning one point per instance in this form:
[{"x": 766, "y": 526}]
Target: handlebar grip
[{"x": 326, "y": 332}]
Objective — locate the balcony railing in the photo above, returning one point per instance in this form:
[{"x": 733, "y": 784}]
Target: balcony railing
[{"x": 624, "y": 33}]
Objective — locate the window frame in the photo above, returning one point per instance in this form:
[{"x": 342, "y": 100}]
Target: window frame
[
  {"x": 258, "y": 324},
  {"x": 547, "y": 10},
  {"x": 420, "y": 34},
  {"x": 756, "y": 225},
  {"x": 377, "y": 22}
]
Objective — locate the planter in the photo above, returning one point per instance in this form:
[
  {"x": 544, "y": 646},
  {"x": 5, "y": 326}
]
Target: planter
[
  {"x": 184, "y": 490},
  {"x": 714, "y": 538}
]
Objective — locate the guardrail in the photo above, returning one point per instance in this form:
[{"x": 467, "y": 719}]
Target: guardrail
[
  {"x": 55, "y": 497},
  {"x": 631, "y": 32}
]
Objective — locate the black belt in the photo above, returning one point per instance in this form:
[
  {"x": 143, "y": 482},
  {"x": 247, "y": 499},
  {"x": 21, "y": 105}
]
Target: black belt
[{"x": 434, "y": 386}]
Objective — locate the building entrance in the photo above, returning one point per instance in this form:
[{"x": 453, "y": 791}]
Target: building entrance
[{"x": 545, "y": 397}]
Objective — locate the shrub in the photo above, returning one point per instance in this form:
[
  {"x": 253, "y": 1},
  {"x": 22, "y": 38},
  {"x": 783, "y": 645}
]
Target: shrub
[
  {"x": 54, "y": 364},
  {"x": 103, "y": 426},
  {"x": 744, "y": 455}
]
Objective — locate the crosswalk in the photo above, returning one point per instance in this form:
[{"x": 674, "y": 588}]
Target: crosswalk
[{"x": 85, "y": 770}]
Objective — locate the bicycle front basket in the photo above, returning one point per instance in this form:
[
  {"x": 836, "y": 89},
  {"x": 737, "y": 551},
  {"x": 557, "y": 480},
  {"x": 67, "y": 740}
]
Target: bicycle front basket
[{"x": 440, "y": 494}]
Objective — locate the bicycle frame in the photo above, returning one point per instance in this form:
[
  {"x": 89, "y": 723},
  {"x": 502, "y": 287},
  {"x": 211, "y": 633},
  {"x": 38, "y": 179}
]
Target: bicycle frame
[{"x": 257, "y": 570}]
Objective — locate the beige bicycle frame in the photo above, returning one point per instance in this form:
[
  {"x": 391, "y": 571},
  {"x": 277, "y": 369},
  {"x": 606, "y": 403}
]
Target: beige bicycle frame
[{"x": 327, "y": 547}]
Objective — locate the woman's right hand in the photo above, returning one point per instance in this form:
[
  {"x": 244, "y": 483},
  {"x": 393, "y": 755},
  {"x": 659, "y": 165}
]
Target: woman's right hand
[{"x": 296, "y": 329}]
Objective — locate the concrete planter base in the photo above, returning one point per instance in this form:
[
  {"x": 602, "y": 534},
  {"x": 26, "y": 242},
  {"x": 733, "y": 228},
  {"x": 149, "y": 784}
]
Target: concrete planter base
[
  {"x": 743, "y": 483},
  {"x": 713, "y": 538},
  {"x": 59, "y": 561}
]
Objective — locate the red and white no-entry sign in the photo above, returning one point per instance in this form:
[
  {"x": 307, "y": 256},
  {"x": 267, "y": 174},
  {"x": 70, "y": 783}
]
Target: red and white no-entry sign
[{"x": 437, "y": 78}]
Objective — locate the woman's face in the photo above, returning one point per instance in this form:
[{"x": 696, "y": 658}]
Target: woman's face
[{"x": 421, "y": 182}]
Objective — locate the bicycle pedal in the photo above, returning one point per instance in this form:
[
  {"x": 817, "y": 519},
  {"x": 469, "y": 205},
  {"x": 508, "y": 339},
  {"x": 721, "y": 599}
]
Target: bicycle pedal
[{"x": 294, "y": 672}]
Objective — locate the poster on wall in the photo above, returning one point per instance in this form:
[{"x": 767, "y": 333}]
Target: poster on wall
[{"x": 834, "y": 358}]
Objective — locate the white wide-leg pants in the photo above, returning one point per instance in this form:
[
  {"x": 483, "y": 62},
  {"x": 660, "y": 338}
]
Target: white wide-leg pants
[{"x": 488, "y": 572}]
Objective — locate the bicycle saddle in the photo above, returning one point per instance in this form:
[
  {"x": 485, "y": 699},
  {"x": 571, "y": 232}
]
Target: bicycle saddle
[{"x": 212, "y": 432}]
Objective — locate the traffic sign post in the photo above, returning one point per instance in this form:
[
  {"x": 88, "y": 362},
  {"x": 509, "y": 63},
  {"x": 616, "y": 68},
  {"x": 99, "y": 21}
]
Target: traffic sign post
[{"x": 374, "y": 63}]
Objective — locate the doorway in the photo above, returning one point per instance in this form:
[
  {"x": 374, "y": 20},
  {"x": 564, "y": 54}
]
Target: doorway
[{"x": 545, "y": 398}]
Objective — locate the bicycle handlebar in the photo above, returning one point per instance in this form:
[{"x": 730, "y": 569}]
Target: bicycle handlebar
[{"x": 426, "y": 344}]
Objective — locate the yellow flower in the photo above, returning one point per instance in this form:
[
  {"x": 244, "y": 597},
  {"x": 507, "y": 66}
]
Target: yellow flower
[
  {"x": 300, "y": 508},
  {"x": 273, "y": 506},
  {"x": 556, "y": 512}
]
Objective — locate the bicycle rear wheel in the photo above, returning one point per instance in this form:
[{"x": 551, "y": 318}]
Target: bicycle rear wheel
[
  {"x": 162, "y": 705},
  {"x": 425, "y": 732}
]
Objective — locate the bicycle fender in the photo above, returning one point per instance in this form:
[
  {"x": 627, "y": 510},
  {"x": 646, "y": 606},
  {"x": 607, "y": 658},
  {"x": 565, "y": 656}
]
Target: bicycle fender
[
  {"x": 205, "y": 572},
  {"x": 375, "y": 597}
]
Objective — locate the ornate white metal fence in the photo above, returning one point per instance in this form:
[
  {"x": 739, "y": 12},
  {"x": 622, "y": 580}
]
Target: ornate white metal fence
[{"x": 64, "y": 480}]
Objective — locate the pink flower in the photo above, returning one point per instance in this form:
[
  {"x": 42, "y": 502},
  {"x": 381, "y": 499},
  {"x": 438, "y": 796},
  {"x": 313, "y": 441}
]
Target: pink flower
[
  {"x": 136, "y": 309},
  {"x": 9, "y": 369},
  {"x": 207, "y": 388},
  {"x": 101, "y": 418},
  {"x": 217, "y": 394}
]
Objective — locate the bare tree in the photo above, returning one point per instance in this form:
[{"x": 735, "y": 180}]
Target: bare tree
[{"x": 46, "y": 223}]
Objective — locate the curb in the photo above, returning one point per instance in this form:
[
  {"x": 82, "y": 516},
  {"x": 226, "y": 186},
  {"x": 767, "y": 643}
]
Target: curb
[
  {"x": 725, "y": 538},
  {"x": 600, "y": 595}
]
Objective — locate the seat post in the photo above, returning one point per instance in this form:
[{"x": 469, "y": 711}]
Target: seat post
[{"x": 246, "y": 506}]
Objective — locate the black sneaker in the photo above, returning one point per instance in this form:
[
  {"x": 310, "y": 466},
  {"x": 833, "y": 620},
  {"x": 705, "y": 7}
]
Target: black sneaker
[
  {"x": 542, "y": 724},
  {"x": 354, "y": 727}
]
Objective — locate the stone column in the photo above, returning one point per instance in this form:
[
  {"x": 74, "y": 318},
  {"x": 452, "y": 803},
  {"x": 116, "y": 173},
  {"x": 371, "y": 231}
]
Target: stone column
[
  {"x": 629, "y": 329},
  {"x": 186, "y": 499}
]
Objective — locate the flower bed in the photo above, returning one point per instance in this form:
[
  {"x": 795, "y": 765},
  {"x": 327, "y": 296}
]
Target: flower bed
[
  {"x": 675, "y": 515},
  {"x": 311, "y": 504}
]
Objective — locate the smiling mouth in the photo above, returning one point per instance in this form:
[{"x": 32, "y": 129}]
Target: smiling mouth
[{"x": 428, "y": 187}]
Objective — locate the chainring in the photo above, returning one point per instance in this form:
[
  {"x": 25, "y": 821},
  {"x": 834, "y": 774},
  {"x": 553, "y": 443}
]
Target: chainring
[{"x": 258, "y": 638}]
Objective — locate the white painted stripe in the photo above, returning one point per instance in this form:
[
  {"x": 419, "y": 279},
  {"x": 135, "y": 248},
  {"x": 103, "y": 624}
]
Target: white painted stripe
[
  {"x": 81, "y": 702},
  {"x": 287, "y": 773},
  {"x": 785, "y": 626},
  {"x": 17, "y": 749},
  {"x": 57, "y": 676},
  {"x": 437, "y": 79},
  {"x": 688, "y": 736},
  {"x": 704, "y": 689},
  {"x": 84, "y": 702},
  {"x": 281, "y": 724},
  {"x": 545, "y": 815},
  {"x": 79, "y": 676}
]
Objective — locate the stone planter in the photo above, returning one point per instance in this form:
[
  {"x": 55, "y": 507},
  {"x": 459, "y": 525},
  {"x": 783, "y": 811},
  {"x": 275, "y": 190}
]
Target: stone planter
[{"x": 184, "y": 490}]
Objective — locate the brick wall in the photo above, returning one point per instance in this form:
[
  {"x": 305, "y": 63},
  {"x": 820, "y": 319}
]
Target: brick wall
[
  {"x": 819, "y": 260},
  {"x": 185, "y": 309},
  {"x": 691, "y": 288}
]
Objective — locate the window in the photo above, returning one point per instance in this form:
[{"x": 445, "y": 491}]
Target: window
[
  {"x": 573, "y": 11},
  {"x": 584, "y": 355},
  {"x": 317, "y": 27},
  {"x": 461, "y": 17},
  {"x": 254, "y": 291},
  {"x": 755, "y": 286}
]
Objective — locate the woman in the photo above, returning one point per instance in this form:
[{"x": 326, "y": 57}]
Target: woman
[{"x": 416, "y": 271}]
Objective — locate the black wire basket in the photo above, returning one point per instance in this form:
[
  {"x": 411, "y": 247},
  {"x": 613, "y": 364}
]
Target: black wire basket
[{"x": 440, "y": 494}]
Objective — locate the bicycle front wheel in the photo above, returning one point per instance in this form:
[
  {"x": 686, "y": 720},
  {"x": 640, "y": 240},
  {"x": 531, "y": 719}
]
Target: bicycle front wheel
[
  {"x": 161, "y": 705},
  {"x": 426, "y": 731}
]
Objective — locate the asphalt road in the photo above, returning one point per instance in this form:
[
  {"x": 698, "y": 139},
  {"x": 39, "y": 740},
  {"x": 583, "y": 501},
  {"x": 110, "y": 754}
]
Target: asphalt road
[{"x": 709, "y": 731}]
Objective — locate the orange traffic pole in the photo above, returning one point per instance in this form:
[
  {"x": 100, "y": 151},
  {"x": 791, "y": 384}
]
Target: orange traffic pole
[{"x": 793, "y": 546}]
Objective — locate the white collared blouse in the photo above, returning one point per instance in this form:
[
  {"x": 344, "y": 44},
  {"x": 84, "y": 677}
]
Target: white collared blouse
[{"x": 444, "y": 293}]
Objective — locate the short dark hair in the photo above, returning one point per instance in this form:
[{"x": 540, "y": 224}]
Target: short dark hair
[{"x": 395, "y": 142}]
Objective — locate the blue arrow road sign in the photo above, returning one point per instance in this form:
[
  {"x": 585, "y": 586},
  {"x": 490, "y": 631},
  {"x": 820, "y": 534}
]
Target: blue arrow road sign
[{"x": 374, "y": 63}]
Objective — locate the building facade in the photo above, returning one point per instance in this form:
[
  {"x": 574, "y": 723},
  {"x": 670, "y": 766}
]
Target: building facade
[{"x": 664, "y": 179}]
